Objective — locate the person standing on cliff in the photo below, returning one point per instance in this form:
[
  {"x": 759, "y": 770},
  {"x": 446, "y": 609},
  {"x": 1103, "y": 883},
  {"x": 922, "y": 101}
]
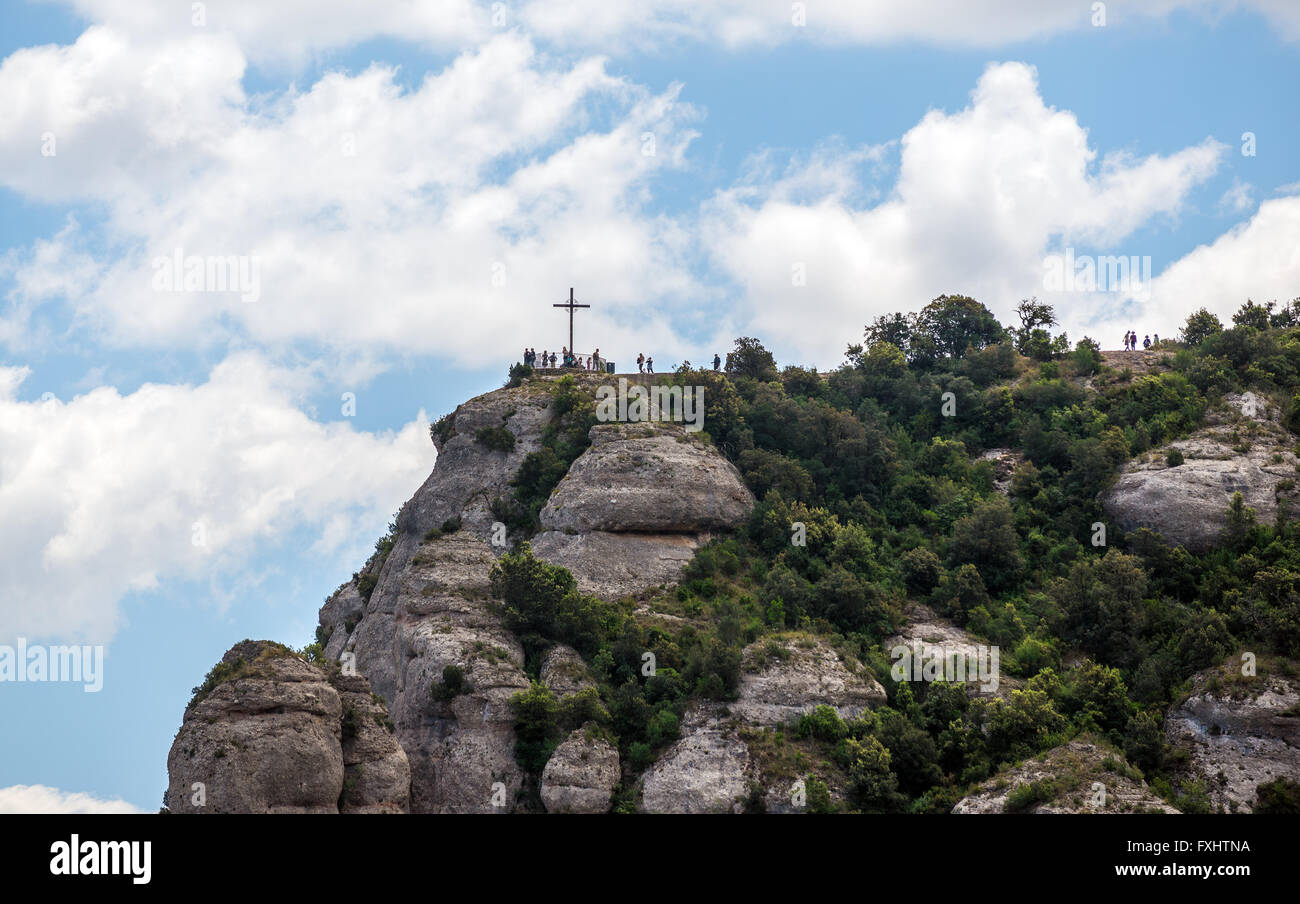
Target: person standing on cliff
[
  {"x": 717, "y": 362},
  {"x": 640, "y": 363},
  {"x": 649, "y": 365}
]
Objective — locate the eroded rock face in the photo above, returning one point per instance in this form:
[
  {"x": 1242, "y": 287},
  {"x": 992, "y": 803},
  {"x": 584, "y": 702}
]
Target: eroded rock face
[
  {"x": 648, "y": 478},
  {"x": 1065, "y": 778},
  {"x": 581, "y": 775},
  {"x": 612, "y": 565},
  {"x": 636, "y": 505},
  {"x": 376, "y": 775},
  {"x": 706, "y": 771},
  {"x": 270, "y": 740},
  {"x": 710, "y": 769},
  {"x": 1187, "y": 504},
  {"x": 564, "y": 672},
  {"x": 790, "y": 677},
  {"x": 461, "y": 747},
  {"x": 930, "y": 631},
  {"x": 1241, "y": 732},
  {"x": 627, "y": 517}
]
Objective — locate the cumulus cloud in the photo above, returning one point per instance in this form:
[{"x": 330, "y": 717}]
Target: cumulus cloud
[
  {"x": 983, "y": 195},
  {"x": 1257, "y": 259},
  {"x": 375, "y": 216},
  {"x": 44, "y": 799},
  {"x": 109, "y": 493},
  {"x": 295, "y": 30}
]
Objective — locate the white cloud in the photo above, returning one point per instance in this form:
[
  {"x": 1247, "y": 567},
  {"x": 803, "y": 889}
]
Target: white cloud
[
  {"x": 1238, "y": 198},
  {"x": 982, "y": 196},
  {"x": 1258, "y": 259},
  {"x": 296, "y": 30},
  {"x": 44, "y": 799},
  {"x": 469, "y": 201},
  {"x": 108, "y": 493}
]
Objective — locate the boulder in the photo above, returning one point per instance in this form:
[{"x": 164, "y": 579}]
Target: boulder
[
  {"x": 264, "y": 735},
  {"x": 788, "y": 677},
  {"x": 1187, "y": 504},
  {"x": 707, "y": 771},
  {"x": 564, "y": 672},
  {"x": 581, "y": 775},
  {"x": 1240, "y": 731},
  {"x": 929, "y": 632},
  {"x": 652, "y": 478},
  {"x": 1085, "y": 775}
]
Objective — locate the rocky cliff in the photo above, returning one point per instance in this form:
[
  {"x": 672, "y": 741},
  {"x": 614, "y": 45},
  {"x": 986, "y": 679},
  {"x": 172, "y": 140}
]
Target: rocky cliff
[
  {"x": 1242, "y": 449},
  {"x": 270, "y": 733},
  {"x": 1239, "y": 731},
  {"x": 627, "y": 517},
  {"x": 1084, "y": 776}
]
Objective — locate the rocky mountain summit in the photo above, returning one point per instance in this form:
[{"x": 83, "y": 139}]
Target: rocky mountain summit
[{"x": 627, "y": 516}]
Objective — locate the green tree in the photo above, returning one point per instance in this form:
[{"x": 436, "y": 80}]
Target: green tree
[
  {"x": 1254, "y": 316},
  {"x": 751, "y": 359},
  {"x": 954, "y": 323},
  {"x": 987, "y": 539},
  {"x": 1200, "y": 326}
]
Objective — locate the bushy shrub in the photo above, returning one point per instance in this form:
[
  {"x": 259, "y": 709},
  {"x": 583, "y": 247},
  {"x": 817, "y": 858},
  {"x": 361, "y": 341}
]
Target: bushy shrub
[{"x": 497, "y": 438}]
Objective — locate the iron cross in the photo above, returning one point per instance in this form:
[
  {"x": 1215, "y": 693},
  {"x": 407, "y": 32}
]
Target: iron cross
[{"x": 571, "y": 306}]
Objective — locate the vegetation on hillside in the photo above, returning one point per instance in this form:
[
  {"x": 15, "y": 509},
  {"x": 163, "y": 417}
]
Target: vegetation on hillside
[{"x": 881, "y": 466}]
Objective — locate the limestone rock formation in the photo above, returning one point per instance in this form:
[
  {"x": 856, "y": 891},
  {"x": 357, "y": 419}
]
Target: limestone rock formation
[
  {"x": 648, "y": 478},
  {"x": 376, "y": 774},
  {"x": 268, "y": 737},
  {"x": 706, "y": 771},
  {"x": 581, "y": 775},
  {"x": 711, "y": 769},
  {"x": 564, "y": 672},
  {"x": 791, "y": 676},
  {"x": 612, "y": 565},
  {"x": 927, "y": 628},
  {"x": 1243, "y": 450},
  {"x": 1083, "y": 776},
  {"x": 627, "y": 517},
  {"x": 1241, "y": 731},
  {"x": 635, "y": 506}
]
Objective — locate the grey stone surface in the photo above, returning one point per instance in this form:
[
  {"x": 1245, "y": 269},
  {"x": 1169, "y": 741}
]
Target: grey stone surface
[{"x": 580, "y": 776}]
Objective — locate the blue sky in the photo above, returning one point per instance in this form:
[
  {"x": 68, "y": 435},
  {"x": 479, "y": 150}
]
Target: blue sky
[{"x": 891, "y": 158}]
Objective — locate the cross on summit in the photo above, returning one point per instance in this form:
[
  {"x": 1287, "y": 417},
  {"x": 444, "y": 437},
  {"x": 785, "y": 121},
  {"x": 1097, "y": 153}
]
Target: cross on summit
[{"x": 571, "y": 306}]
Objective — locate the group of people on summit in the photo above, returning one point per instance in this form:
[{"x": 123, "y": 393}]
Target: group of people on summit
[
  {"x": 565, "y": 358},
  {"x": 1131, "y": 341}
]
